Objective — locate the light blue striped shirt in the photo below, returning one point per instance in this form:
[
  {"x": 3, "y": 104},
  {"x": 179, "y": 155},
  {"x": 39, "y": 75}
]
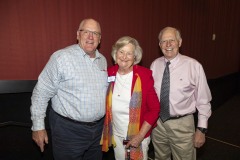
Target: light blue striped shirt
[{"x": 75, "y": 84}]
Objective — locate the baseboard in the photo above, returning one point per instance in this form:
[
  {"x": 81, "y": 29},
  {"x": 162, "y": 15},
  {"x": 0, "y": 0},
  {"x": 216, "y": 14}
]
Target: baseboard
[{"x": 16, "y": 86}]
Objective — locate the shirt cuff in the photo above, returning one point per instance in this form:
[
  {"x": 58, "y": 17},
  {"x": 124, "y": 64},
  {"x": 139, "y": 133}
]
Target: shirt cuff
[
  {"x": 202, "y": 122},
  {"x": 38, "y": 125}
]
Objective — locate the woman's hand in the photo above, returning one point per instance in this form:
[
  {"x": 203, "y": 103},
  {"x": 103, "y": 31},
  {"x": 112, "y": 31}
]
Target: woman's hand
[{"x": 135, "y": 141}]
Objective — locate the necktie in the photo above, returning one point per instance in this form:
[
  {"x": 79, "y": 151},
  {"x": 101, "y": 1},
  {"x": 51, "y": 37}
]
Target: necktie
[{"x": 164, "y": 95}]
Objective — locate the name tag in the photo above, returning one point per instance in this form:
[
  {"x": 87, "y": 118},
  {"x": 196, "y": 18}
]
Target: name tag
[{"x": 111, "y": 79}]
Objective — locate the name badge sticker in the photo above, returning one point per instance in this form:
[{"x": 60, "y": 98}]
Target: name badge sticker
[{"x": 111, "y": 79}]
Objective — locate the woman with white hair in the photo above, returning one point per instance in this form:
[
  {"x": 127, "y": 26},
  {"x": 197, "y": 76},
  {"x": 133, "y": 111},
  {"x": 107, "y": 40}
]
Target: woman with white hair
[{"x": 132, "y": 106}]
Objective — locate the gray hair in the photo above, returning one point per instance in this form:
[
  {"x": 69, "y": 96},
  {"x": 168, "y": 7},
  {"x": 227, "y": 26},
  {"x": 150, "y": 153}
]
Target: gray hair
[
  {"x": 87, "y": 20},
  {"x": 177, "y": 33},
  {"x": 123, "y": 41}
]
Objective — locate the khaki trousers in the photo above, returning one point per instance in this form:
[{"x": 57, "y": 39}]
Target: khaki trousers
[{"x": 174, "y": 138}]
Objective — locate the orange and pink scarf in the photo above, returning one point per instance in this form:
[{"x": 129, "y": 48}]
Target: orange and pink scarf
[{"x": 134, "y": 120}]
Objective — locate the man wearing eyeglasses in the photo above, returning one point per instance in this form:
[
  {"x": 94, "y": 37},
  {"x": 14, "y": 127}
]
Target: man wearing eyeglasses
[{"x": 75, "y": 80}]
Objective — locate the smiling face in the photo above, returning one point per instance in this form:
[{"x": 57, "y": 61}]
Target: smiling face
[
  {"x": 125, "y": 58},
  {"x": 89, "y": 36},
  {"x": 169, "y": 43}
]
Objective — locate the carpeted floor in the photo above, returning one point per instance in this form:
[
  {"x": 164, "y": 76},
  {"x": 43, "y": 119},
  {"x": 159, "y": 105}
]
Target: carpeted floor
[
  {"x": 223, "y": 137},
  {"x": 222, "y": 143}
]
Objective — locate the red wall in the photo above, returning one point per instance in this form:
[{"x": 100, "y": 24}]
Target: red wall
[{"x": 31, "y": 30}]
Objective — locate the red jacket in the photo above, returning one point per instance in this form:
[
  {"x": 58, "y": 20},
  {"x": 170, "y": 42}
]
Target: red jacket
[{"x": 150, "y": 104}]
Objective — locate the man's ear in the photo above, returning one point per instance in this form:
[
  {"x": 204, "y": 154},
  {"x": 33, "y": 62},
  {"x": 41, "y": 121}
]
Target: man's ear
[
  {"x": 180, "y": 43},
  {"x": 78, "y": 33}
]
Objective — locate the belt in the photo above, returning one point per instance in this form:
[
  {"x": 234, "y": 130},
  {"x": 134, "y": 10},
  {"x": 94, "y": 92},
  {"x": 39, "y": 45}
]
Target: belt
[
  {"x": 79, "y": 122},
  {"x": 180, "y": 116}
]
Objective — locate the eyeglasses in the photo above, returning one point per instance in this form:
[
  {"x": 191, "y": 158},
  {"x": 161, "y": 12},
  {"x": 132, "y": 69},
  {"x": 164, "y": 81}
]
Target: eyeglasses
[
  {"x": 87, "y": 33},
  {"x": 170, "y": 41},
  {"x": 123, "y": 53}
]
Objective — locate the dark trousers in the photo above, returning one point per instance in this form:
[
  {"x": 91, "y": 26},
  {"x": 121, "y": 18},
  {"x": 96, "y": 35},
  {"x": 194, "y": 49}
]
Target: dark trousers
[{"x": 74, "y": 141}]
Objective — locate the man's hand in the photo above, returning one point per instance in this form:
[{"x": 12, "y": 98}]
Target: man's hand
[
  {"x": 40, "y": 138},
  {"x": 199, "y": 139}
]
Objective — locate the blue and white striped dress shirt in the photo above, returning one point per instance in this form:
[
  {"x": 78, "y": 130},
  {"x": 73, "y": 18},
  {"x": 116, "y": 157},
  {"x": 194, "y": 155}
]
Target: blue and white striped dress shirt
[{"x": 75, "y": 84}]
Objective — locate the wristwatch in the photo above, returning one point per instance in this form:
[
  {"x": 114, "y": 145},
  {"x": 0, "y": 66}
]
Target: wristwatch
[{"x": 203, "y": 130}]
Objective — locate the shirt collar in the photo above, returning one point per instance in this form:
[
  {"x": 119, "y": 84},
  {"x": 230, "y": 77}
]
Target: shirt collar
[
  {"x": 98, "y": 55},
  {"x": 173, "y": 61}
]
